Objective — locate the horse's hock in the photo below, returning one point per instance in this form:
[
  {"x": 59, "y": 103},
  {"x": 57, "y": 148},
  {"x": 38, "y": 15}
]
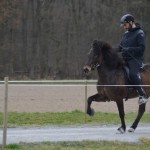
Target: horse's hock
[{"x": 43, "y": 98}]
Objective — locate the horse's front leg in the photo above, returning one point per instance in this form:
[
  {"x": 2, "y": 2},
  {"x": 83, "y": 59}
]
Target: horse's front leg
[
  {"x": 139, "y": 116},
  {"x": 120, "y": 106},
  {"x": 97, "y": 98}
]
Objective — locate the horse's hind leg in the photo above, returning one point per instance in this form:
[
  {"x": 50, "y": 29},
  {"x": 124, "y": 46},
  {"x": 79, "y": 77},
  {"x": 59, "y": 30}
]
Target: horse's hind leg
[
  {"x": 139, "y": 116},
  {"x": 96, "y": 98}
]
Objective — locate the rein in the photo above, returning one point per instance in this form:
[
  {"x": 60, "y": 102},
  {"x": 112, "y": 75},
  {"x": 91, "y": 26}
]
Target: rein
[{"x": 98, "y": 65}]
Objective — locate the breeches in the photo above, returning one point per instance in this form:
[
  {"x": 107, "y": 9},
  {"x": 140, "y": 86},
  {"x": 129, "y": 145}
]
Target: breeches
[{"x": 134, "y": 73}]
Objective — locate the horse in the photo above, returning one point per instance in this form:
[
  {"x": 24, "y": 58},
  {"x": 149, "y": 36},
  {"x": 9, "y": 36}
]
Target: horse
[{"x": 110, "y": 68}]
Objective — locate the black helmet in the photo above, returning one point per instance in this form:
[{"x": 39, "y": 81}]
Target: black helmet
[{"x": 126, "y": 19}]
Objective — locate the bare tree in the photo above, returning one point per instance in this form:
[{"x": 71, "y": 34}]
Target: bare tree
[{"x": 51, "y": 38}]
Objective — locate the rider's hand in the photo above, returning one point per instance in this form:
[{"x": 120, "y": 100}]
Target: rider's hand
[
  {"x": 125, "y": 49},
  {"x": 125, "y": 52}
]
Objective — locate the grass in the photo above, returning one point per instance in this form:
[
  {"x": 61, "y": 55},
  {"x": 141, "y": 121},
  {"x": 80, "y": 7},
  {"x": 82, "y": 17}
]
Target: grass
[
  {"x": 71, "y": 118},
  {"x": 84, "y": 145},
  {"x": 67, "y": 118}
]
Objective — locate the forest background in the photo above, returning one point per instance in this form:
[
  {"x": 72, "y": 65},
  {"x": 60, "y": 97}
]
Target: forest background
[{"x": 50, "y": 39}]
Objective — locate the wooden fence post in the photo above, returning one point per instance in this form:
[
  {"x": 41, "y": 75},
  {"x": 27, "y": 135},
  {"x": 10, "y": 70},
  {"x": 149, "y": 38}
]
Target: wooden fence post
[
  {"x": 85, "y": 98},
  {"x": 5, "y": 114}
]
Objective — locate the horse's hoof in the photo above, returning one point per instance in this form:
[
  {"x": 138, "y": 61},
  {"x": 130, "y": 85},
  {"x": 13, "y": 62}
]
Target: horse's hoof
[
  {"x": 131, "y": 130},
  {"x": 91, "y": 112},
  {"x": 120, "y": 130}
]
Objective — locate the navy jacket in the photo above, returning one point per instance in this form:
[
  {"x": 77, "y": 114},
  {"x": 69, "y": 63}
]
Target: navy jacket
[{"x": 133, "y": 44}]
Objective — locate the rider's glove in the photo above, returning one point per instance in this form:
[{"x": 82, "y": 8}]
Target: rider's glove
[{"x": 125, "y": 52}]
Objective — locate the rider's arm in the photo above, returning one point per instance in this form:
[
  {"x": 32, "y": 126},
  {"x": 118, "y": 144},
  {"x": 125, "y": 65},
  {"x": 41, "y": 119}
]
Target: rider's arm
[{"x": 140, "y": 48}]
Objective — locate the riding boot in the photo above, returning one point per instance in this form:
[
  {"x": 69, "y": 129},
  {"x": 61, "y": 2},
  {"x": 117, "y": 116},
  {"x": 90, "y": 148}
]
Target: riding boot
[
  {"x": 138, "y": 82},
  {"x": 143, "y": 98},
  {"x": 141, "y": 91}
]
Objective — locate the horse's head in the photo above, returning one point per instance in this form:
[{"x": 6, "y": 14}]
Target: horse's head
[
  {"x": 102, "y": 53},
  {"x": 94, "y": 56}
]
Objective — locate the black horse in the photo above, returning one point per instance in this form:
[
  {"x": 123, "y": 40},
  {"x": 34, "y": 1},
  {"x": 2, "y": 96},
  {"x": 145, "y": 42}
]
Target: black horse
[{"x": 110, "y": 66}]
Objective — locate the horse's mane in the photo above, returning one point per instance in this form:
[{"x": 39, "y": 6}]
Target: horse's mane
[{"x": 110, "y": 54}]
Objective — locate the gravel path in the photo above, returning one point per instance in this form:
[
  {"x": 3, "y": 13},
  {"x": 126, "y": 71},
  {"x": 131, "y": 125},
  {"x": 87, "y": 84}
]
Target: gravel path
[{"x": 74, "y": 133}]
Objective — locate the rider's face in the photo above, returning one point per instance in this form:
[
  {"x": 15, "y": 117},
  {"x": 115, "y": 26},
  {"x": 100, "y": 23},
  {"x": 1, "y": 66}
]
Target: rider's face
[{"x": 126, "y": 26}]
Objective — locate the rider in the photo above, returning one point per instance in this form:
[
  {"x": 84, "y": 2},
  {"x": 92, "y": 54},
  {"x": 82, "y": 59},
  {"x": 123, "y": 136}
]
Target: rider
[{"x": 132, "y": 47}]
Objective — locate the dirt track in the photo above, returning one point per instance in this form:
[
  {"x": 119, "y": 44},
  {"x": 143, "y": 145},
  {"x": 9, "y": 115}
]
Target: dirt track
[{"x": 56, "y": 99}]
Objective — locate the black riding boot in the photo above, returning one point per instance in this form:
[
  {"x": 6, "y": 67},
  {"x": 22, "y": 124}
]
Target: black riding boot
[
  {"x": 141, "y": 91},
  {"x": 142, "y": 94},
  {"x": 134, "y": 67}
]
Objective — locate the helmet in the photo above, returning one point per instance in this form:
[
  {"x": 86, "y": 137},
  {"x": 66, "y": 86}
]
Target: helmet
[{"x": 126, "y": 19}]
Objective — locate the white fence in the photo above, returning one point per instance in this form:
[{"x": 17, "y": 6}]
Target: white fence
[
  {"x": 56, "y": 95},
  {"x": 17, "y": 93}
]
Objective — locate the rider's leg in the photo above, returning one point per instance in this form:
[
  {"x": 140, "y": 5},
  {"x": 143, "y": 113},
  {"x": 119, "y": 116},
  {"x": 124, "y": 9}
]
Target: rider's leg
[{"x": 134, "y": 67}]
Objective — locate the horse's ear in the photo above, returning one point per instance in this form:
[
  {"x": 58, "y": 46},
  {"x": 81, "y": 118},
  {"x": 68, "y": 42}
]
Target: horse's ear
[
  {"x": 95, "y": 43},
  {"x": 95, "y": 46}
]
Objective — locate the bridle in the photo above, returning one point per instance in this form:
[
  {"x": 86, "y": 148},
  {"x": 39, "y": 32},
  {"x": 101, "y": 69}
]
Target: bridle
[
  {"x": 94, "y": 64},
  {"x": 97, "y": 65}
]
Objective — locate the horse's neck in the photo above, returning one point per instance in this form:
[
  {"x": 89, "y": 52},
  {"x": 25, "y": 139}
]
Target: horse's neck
[
  {"x": 113, "y": 60},
  {"x": 110, "y": 76}
]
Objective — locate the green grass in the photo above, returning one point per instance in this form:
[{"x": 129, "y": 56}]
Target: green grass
[
  {"x": 67, "y": 118},
  {"x": 84, "y": 145}
]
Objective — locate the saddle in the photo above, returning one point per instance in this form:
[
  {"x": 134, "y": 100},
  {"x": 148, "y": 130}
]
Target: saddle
[{"x": 128, "y": 80}]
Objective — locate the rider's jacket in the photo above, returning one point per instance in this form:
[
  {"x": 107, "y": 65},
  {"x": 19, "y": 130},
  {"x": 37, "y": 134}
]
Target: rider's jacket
[{"x": 133, "y": 44}]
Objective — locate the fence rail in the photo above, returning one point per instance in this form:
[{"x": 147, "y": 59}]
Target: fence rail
[
  {"x": 48, "y": 81},
  {"x": 52, "y": 83},
  {"x": 62, "y": 83}
]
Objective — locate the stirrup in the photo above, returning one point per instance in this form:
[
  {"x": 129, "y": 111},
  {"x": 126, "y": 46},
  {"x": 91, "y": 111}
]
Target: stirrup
[{"x": 142, "y": 100}]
